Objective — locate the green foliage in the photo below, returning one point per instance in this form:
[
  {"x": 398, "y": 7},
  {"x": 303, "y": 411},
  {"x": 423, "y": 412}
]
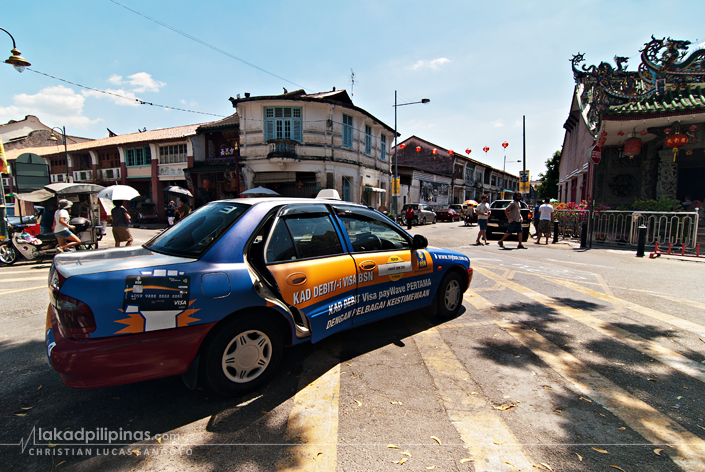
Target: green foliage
[
  {"x": 662, "y": 204},
  {"x": 548, "y": 188}
]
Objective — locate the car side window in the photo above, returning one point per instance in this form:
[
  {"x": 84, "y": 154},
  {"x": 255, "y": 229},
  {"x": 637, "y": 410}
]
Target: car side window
[
  {"x": 301, "y": 236},
  {"x": 369, "y": 231}
]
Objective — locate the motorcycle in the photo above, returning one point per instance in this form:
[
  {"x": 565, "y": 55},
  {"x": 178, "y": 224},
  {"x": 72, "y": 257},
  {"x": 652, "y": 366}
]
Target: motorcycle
[{"x": 22, "y": 243}]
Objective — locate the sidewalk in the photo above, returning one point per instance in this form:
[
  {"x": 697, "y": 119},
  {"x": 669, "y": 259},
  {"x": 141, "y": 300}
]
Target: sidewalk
[{"x": 575, "y": 244}]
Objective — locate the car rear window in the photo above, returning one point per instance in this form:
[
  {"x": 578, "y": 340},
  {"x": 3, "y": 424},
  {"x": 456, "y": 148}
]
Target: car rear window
[{"x": 195, "y": 233}]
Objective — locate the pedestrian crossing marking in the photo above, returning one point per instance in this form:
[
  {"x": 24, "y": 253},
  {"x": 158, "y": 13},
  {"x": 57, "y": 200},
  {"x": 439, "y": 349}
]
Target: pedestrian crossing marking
[
  {"x": 23, "y": 279},
  {"x": 645, "y": 346},
  {"x": 9, "y": 291},
  {"x": 480, "y": 428},
  {"x": 650, "y": 312},
  {"x": 40, "y": 270},
  {"x": 654, "y": 426}
]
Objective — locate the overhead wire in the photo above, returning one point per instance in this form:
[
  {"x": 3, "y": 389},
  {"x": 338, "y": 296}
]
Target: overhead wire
[{"x": 203, "y": 43}]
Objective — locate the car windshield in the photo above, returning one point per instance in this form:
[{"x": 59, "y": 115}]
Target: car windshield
[{"x": 195, "y": 233}]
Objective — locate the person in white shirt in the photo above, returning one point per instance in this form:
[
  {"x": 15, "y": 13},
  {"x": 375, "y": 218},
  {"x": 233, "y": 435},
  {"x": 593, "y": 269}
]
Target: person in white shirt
[
  {"x": 545, "y": 213},
  {"x": 483, "y": 212},
  {"x": 62, "y": 227}
]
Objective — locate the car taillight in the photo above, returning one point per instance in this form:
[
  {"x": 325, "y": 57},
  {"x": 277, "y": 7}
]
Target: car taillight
[
  {"x": 75, "y": 317},
  {"x": 529, "y": 215}
]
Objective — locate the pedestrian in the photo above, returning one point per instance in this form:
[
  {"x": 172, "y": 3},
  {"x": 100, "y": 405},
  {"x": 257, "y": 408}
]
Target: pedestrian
[
  {"x": 483, "y": 212},
  {"x": 535, "y": 218},
  {"x": 409, "y": 217},
  {"x": 170, "y": 213},
  {"x": 46, "y": 220},
  {"x": 469, "y": 214},
  {"x": 544, "y": 227},
  {"x": 62, "y": 227},
  {"x": 184, "y": 210},
  {"x": 514, "y": 219},
  {"x": 121, "y": 224}
]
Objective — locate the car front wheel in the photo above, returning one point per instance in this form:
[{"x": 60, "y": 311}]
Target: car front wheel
[
  {"x": 450, "y": 295},
  {"x": 243, "y": 355}
]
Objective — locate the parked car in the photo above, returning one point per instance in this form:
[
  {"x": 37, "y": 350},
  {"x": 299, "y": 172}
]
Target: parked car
[
  {"x": 497, "y": 222},
  {"x": 145, "y": 212},
  {"x": 448, "y": 214},
  {"x": 460, "y": 208},
  {"x": 422, "y": 214},
  {"x": 218, "y": 296}
]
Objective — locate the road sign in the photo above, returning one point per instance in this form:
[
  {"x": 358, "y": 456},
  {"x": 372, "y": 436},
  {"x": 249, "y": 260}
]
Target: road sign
[
  {"x": 596, "y": 155},
  {"x": 524, "y": 183},
  {"x": 396, "y": 188}
]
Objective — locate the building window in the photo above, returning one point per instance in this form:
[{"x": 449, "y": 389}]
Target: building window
[
  {"x": 368, "y": 139},
  {"x": 138, "y": 157},
  {"x": 347, "y": 131},
  {"x": 283, "y": 123},
  {"x": 383, "y": 141},
  {"x": 172, "y": 154}
]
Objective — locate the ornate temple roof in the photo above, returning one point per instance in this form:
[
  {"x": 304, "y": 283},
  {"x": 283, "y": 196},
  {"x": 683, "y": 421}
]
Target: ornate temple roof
[{"x": 681, "y": 100}]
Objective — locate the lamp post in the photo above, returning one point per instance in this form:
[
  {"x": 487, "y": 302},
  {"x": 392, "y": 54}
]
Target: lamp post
[
  {"x": 66, "y": 152},
  {"x": 396, "y": 184},
  {"x": 16, "y": 60},
  {"x": 504, "y": 167}
]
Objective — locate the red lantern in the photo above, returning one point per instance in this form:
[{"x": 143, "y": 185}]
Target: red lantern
[
  {"x": 632, "y": 147},
  {"x": 451, "y": 152},
  {"x": 485, "y": 149},
  {"x": 676, "y": 141},
  {"x": 402, "y": 146},
  {"x": 693, "y": 127},
  {"x": 418, "y": 148},
  {"x": 206, "y": 184},
  {"x": 468, "y": 151},
  {"x": 434, "y": 151},
  {"x": 667, "y": 131},
  {"x": 621, "y": 133},
  {"x": 604, "y": 133},
  {"x": 643, "y": 133},
  {"x": 505, "y": 144}
]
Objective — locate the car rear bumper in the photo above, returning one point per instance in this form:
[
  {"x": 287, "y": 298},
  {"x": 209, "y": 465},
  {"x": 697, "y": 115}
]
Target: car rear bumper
[{"x": 117, "y": 360}]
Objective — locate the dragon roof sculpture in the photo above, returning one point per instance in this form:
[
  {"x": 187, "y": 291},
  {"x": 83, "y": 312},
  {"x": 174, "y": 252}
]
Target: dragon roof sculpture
[{"x": 665, "y": 64}]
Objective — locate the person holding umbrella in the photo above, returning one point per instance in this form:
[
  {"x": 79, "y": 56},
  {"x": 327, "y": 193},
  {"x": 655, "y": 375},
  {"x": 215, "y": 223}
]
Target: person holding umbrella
[{"x": 121, "y": 224}]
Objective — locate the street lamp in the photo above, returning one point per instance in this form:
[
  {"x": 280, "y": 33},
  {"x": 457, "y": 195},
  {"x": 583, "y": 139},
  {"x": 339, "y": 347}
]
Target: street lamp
[
  {"x": 504, "y": 167},
  {"x": 396, "y": 184},
  {"x": 52, "y": 137},
  {"x": 17, "y": 61}
]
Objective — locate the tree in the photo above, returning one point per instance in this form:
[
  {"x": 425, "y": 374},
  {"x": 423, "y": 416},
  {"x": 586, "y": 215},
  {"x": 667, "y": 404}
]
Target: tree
[{"x": 548, "y": 188}]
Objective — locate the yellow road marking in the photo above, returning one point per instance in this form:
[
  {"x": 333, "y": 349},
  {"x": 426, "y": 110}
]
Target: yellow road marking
[
  {"x": 674, "y": 320},
  {"x": 313, "y": 421},
  {"x": 638, "y": 415},
  {"x": 645, "y": 346},
  {"x": 480, "y": 427},
  {"x": 8, "y": 291},
  {"x": 23, "y": 279}
]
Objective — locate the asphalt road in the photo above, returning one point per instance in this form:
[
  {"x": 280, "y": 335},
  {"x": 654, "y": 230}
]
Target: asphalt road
[{"x": 561, "y": 359}]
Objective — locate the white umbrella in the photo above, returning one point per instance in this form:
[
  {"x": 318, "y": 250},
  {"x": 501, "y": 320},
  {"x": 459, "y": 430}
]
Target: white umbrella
[
  {"x": 118, "y": 192},
  {"x": 178, "y": 190},
  {"x": 259, "y": 191}
]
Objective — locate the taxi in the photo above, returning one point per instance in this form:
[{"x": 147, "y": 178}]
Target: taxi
[{"x": 218, "y": 296}]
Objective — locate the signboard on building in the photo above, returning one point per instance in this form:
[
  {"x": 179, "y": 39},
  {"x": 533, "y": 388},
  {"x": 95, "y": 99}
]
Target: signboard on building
[
  {"x": 31, "y": 173},
  {"x": 524, "y": 182},
  {"x": 396, "y": 187}
]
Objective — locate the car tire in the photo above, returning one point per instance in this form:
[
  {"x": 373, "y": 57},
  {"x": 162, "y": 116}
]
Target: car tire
[
  {"x": 434, "y": 220},
  {"x": 8, "y": 254},
  {"x": 449, "y": 298},
  {"x": 423, "y": 221},
  {"x": 242, "y": 355}
]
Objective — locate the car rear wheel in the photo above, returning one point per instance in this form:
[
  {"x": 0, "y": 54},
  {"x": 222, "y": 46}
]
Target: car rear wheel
[
  {"x": 423, "y": 221},
  {"x": 450, "y": 296},
  {"x": 243, "y": 355},
  {"x": 8, "y": 254}
]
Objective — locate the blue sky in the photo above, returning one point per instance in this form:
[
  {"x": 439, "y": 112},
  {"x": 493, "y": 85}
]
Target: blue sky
[{"x": 483, "y": 64}]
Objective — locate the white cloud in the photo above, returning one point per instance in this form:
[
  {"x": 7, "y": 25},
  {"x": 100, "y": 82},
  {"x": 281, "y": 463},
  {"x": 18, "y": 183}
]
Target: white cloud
[
  {"x": 143, "y": 82},
  {"x": 55, "y": 106},
  {"x": 435, "y": 64},
  {"x": 115, "y": 95},
  {"x": 191, "y": 103},
  {"x": 498, "y": 123},
  {"x": 115, "y": 79}
]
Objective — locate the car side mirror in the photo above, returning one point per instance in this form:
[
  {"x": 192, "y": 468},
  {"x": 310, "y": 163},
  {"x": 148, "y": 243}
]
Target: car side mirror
[{"x": 419, "y": 242}]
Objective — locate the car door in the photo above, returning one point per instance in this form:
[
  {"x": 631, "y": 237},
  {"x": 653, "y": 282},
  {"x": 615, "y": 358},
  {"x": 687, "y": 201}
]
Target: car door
[
  {"x": 315, "y": 275},
  {"x": 391, "y": 276}
]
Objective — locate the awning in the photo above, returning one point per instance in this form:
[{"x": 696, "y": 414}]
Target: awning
[
  {"x": 375, "y": 189},
  {"x": 37, "y": 196},
  {"x": 68, "y": 189}
]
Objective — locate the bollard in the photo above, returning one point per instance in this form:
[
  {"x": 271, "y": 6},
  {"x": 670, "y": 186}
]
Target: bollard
[
  {"x": 642, "y": 241},
  {"x": 583, "y": 235},
  {"x": 555, "y": 232}
]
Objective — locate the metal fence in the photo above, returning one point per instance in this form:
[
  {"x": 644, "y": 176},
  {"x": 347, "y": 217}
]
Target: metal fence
[{"x": 569, "y": 222}]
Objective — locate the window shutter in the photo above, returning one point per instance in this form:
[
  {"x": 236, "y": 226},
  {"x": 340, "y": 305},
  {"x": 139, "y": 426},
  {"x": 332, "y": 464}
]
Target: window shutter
[
  {"x": 268, "y": 130},
  {"x": 297, "y": 132}
]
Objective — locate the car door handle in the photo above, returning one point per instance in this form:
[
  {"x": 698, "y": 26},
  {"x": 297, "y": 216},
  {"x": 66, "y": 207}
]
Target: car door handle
[
  {"x": 368, "y": 265},
  {"x": 296, "y": 279}
]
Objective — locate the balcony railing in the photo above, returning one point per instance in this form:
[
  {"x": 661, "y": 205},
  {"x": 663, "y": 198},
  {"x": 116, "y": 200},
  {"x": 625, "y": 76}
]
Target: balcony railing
[
  {"x": 82, "y": 175},
  {"x": 109, "y": 174},
  {"x": 58, "y": 178},
  {"x": 282, "y": 148}
]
